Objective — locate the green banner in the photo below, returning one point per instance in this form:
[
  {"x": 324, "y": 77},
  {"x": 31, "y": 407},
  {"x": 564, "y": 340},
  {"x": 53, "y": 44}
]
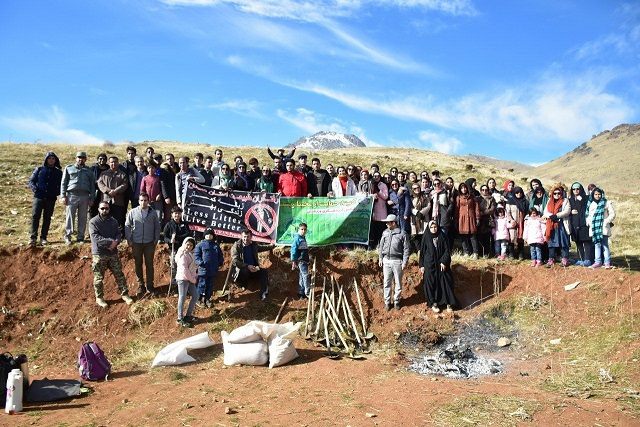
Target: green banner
[{"x": 329, "y": 220}]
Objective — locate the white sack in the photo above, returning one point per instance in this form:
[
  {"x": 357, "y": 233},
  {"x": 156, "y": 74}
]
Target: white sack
[
  {"x": 281, "y": 351},
  {"x": 285, "y": 330},
  {"x": 251, "y": 332},
  {"x": 176, "y": 353},
  {"x": 251, "y": 353}
]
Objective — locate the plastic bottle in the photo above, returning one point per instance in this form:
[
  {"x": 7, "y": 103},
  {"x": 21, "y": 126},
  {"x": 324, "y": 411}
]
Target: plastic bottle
[{"x": 14, "y": 392}]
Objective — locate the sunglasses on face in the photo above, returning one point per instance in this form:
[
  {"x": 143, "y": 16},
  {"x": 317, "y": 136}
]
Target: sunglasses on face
[{"x": 555, "y": 193}]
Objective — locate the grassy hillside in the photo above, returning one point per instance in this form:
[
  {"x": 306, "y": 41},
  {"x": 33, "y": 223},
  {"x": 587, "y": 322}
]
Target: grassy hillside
[{"x": 610, "y": 159}]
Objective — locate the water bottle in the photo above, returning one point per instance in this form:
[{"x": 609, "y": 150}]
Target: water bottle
[{"x": 14, "y": 392}]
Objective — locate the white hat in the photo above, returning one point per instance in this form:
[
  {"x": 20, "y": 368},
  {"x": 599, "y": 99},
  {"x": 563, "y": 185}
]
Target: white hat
[{"x": 390, "y": 218}]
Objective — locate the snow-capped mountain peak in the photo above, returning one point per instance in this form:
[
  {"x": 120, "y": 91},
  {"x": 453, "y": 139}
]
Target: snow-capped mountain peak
[{"x": 326, "y": 140}]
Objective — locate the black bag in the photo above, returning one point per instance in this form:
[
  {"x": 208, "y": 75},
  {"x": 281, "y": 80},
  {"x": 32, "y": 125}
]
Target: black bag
[{"x": 7, "y": 364}]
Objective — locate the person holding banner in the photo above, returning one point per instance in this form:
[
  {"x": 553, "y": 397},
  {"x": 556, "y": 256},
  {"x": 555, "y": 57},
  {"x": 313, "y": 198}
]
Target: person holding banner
[
  {"x": 244, "y": 258},
  {"x": 393, "y": 255},
  {"x": 185, "y": 175}
]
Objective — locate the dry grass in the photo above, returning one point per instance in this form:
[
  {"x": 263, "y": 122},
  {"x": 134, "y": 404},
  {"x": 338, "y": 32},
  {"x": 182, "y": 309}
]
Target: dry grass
[
  {"x": 486, "y": 410},
  {"x": 146, "y": 312},
  {"x": 136, "y": 353}
]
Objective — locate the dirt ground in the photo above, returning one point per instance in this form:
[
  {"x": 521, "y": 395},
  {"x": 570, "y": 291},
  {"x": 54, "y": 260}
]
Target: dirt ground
[{"x": 48, "y": 309}]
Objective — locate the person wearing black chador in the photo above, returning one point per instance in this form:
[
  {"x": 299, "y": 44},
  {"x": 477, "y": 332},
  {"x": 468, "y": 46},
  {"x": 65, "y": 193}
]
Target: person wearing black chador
[{"x": 435, "y": 265}]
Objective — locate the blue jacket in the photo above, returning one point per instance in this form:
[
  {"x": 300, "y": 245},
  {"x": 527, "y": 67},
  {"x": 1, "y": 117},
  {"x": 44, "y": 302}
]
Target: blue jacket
[
  {"x": 299, "y": 249},
  {"x": 45, "y": 181},
  {"x": 209, "y": 257}
]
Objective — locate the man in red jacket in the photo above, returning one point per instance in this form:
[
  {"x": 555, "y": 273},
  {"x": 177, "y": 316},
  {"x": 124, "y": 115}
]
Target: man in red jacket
[{"x": 292, "y": 183}]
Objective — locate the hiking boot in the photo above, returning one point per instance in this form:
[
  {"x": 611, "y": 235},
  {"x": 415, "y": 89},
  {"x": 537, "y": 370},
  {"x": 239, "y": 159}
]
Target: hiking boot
[
  {"x": 550, "y": 263},
  {"x": 32, "y": 242},
  {"x": 596, "y": 265},
  {"x": 396, "y": 305},
  {"x": 565, "y": 262},
  {"x": 127, "y": 299},
  {"x": 387, "y": 306},
  {"x": 190, "y": 319},
  {"x": 586, "y": 263},
  {"x": 435, "y": 308},
  {"x": 183, "y": 323},
  {"x": 579, "y": 263},
  {"x": 449, "y": 309},
  {"x": 101, "y": 302},
  {"x": 44, "y": 242}
]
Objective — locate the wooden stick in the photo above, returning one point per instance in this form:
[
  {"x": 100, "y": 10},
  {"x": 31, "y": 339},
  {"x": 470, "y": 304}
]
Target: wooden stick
[
  {"x": 321, "y": 307},
  {"x": 323, "y": 317},
  {"x": 306, "y": 322},
  {"x": 226, "y": 281},
  {"x": 344, "y": 309},
  {"x": 334, "y": 315},
  {"x": 364, "y": 325},
  {"x": 335, "y": 327},
  {"x": 353, "y": 322},
  {"x": 281, "y": 308}
]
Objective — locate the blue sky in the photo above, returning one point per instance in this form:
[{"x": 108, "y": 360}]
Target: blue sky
[{"x": 523, "y": 80}]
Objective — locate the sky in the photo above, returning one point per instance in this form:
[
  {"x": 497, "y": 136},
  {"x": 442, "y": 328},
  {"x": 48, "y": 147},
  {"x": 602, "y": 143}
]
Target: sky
[{"x": 524, "y": 80}]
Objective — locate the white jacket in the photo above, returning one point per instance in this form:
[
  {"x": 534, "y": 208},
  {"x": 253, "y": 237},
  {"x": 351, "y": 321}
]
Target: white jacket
[
  {"x": 609, "y": 215},
  {"x": 336, "y": 188}
]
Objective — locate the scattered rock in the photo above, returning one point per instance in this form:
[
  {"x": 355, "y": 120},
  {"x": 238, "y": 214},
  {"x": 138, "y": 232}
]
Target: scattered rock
[
  {"x": 187, "y": 406},
  {"x": 228, "y": 410},
  {"x": 125, "y": 401},
  {"x": 503, "y": 342},
  {"x": 571, "y": 286},
  {"x": 555, "y": 341},
  {"x": 371, "y": 415}
]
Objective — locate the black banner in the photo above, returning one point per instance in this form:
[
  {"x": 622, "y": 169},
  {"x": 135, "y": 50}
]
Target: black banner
[{"x": 229, "y": 212}]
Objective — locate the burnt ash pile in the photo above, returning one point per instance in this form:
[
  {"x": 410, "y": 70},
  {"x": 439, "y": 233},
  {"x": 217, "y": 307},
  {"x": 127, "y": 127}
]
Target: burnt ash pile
[{"x": 456, "y": 361}]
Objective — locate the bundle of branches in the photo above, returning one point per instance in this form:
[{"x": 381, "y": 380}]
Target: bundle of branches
[{"x": 332, "y": 321}]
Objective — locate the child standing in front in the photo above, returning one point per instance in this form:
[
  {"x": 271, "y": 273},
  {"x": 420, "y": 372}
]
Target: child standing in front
[
  {"x": 534, "y": 229},
  {"x": 300, "y": 259},
  {"x": 209, "y": 259},
  {"x": 501, "y": 233},
  {"x": 186, "y": 276}
]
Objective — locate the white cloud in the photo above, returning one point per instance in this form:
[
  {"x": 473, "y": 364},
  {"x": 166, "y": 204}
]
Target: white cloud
[
  {"x": 243, "y": 107},
  {"x": 53, "y": 127},
  {"x": 269, "y": 34},
  {"x": 555, "y": 108},
  {"x": 439, "y": 142}
]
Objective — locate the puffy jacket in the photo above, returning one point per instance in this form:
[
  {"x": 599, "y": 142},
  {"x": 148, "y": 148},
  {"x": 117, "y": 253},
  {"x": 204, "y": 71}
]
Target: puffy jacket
[
  {"x": 381, "y": 195},
  {"x": 534, "y": 230},
  {"x": 501, "y": 229},
  {"x": 186, "y": 267},
  {"x": 394, "y": 244},
  {"x": 208, "y": 257},
  {"x": 138, "y": 230},
  {"x": 45, "y": 181}
]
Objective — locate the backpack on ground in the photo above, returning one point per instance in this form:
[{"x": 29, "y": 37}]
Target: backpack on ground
[{"x": 92, "y": 363}]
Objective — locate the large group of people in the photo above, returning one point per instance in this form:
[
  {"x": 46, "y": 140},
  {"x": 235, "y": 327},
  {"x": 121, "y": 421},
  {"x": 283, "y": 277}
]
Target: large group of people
[{"x": 139, "y": 200}]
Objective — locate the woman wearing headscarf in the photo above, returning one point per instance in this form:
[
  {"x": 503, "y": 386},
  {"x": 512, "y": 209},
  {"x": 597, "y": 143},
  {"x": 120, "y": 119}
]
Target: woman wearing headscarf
[
  {"x": 435, "y": 265},
  {"x": 578, "y": 224},
  {"x": 224, "y": 180},
  {"x": 265, "y": 182},
  {"x": 399, "y": 204},
  {"x": 342, "y": 185},
  {"x": 539, "y": 200},
  {"x": 557, "y": 233},
  {"x": 599, "y": 218},
  {"x": 472, "y": 183},
  {"x": 518, "y": 207},
  {"x": 420, "y": 215},
  {"x": 467, "y": 218},
  {"x": 485, "y": 227}
]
